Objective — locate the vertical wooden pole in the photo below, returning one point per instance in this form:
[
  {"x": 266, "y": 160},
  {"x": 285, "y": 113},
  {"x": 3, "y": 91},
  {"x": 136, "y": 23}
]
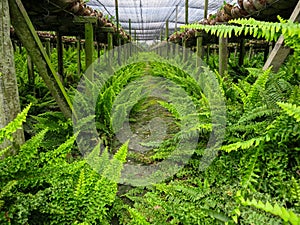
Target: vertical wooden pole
[
  {"x": 109, "y": 48},
  {"x": 48, "y": 47},
  {"x": 167, "y": 30},
  {"x": 186, "y": 11},
  {"x": 205, "y": 8},
  {"x": 185, "y": 50},
  {"x": 98, "y": 51},
  {"x": 161, "y": 35},
  {"x": 118, "y": 38},
  {"x": 130, "y": 34},
  {"x": 242, "y": 52},
  {"x": 30, "y": 69},
  {"x": 223, "y": 55},
  {"x": 199, "y": 48},
  {"x": 60, "y": 56},
  {"x": 176, "y": 18},
  {"x": 78, "y": 56},
  {"x": 89, "y": 47},
  {"x": 207, "y": 52}
]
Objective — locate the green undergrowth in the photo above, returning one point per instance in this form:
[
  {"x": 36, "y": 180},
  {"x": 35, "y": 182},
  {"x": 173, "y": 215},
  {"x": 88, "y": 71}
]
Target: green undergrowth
[{"x": 243, "y": 159}]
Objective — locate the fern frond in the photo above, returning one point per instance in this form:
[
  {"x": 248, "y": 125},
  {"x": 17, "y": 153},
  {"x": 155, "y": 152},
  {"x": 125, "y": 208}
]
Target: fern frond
[
  {"x": 5, "y": 190},
  {"x": 259, "y": 85},
  {"x": 250, "y": 175},
  {"x": 291, "y": 110},
  {"x": 283, "y": 213},
  {"x": 295, "y": 192},
  {"x": 137, "y": 218},
  {"x": 258, "y": 112},
  {"x": 254, "y": 142},
  {"x": 13, "y": 126}
]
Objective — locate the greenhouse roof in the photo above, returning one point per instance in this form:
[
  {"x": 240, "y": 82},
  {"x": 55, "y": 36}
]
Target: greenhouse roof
[{"x": 148, "y": 17}]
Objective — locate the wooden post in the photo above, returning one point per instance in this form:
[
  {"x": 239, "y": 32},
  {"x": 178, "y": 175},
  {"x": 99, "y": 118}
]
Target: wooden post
[
  {"x": 176, "y": 49},
  {"x": 167, "y": 30},
  {"x": 130, "y": 34},
  {"x": 78, "y": 56},
  {"x": 60, "y": 56},
  {"x": 109, "y": 48},
  {"x": 207, "y": 52},
  {"x": 223, "y": 55},
  {"x": 176, "y": 18},
  {"x": 48, "y": 47},
  {"x": 129, "y": 24},
  {"x": 30, "y": 69},
  {"x": 98, "y": 52},
  {"x": 242, "y": 52},
  {"x": 185, "y": 50},
  {"x": 186, "y": 11},
  {"x": 29, "y": 38},
  {"x": 205, "y": 8},
  {"x": 199, "y": 49},
  {"x": 89, "y": 48}
]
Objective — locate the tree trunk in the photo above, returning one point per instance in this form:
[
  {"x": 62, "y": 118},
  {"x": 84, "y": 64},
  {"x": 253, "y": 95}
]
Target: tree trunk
[{"x": 9, "y": 96}]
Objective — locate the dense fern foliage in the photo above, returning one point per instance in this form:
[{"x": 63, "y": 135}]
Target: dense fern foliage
[{"x": 248, "y": 174}]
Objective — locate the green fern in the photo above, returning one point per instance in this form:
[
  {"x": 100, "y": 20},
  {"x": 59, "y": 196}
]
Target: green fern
[
  {"x": 295, "y": 192},
  {"x": 258, "y": 29},
  {"x": 253, "y": 142},
  {"x": 291, "y": 110},
  {"x": 13, "y": 126},
  {"x": 283, "y": 213},
  {"x": 250, "y": 175}
]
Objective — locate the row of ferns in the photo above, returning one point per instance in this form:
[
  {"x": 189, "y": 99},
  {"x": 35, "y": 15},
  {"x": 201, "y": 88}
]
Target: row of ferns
[{"x": 253, "y": 180}]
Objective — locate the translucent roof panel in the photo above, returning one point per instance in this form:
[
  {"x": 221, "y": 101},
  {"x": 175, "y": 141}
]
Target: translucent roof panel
[{"x": 148, "y": 17}]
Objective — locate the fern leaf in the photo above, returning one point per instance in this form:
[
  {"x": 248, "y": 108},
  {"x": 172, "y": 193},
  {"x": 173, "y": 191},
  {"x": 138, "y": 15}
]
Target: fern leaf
[
  {"x": 254, "y": 142},
  {"x": 258, "y": 86},
  {"x": 291, "y": 110},
  {"x": 295, "y": 192},
  {"x": 283, "y": 213},
  {"x": 250, "y": 176},
  {"x": 13, "y": 126},
  {"x": 80, "y": 187}
]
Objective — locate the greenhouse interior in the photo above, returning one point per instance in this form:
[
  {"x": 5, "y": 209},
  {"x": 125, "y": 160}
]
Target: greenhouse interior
[{"x": 150, "y": 112}]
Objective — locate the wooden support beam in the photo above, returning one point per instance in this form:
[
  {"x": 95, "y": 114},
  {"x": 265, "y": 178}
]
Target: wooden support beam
[
  {"x": 30, "y": 40},
  {"x": 167, "y": 30},
  {"x": 98, "y": 52},
  {"x": 89, "y": 49},
  {"x": 85, "y": 19},
  {"x": 185, "y": 50},
  {"x": 242, "y": 51},
  {"x": 78, "y": 56},
  {"x": 176, "y": 18},
  {"x": 199, "y": 48},
  {"x": 48, "y": 47},
  {"x": 205, "y": 8},
  {"x": 60, "y": 56},
  {"x": 186, "y": 11},
  {"x": 30, "y": 68},
  {"x": 223, "y": 55},
  {"x": 280, "y": 52},
  {"x": 109, "y": 49},
  {"x": 129, "y": 24}
]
